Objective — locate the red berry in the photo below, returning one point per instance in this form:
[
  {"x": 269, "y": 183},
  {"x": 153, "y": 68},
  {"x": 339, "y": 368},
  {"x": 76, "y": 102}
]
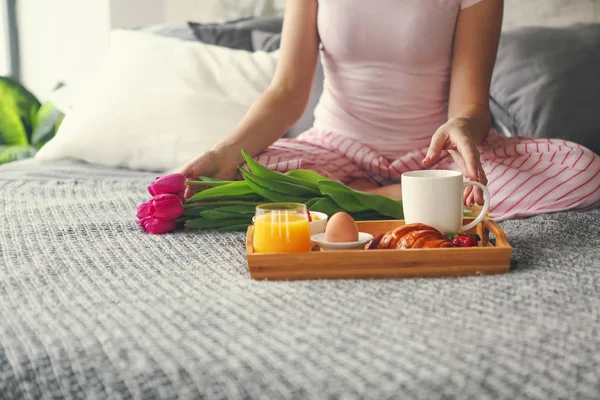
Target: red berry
[
  {"x": 309, "y": 217},
  {"x": 463, "y": 240}
]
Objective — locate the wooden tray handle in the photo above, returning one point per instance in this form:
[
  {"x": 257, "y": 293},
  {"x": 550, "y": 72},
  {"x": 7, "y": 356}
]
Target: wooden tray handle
[{"x": 495, "y": 230}]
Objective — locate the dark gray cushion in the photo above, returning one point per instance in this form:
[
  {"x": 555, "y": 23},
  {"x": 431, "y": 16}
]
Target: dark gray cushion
[
  {"x": 546, "y": 83},
  {"x": 235, "y": 34},
  {"x": 177, "y": 31},
  {"x": 266, "y": 41}
]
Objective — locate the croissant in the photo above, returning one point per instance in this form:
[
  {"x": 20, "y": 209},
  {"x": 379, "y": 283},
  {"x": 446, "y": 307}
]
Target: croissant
[{"x": 412, "y": 236}]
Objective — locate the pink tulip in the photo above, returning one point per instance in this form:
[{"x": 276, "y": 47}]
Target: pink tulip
[
  {"x": 165, "y": 207},
  {"x": 157, "y": 226},
  {"x": 142, "y": 211},
  {"x": 180, "y": 198},
  {"x": 152, "y": 191},
  {"x": 168, "y": 184}
]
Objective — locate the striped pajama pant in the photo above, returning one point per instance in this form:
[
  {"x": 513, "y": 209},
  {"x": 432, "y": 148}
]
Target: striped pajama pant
[{"x": 526, "y": 176}]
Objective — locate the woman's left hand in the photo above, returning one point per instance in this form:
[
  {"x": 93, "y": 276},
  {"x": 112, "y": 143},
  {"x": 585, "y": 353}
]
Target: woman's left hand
[{"x": 455, "y": 137}]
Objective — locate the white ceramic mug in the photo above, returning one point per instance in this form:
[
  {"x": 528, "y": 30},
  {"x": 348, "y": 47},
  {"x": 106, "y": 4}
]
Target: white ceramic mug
[{"x": 435, "y": 198}]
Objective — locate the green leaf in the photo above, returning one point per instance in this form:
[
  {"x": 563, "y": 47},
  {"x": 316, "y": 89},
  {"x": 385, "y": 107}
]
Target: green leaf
[
  {"x": 237, "y": 190},
  {"x": 262, "y": 190},
  {"x": 264, "y": 172},
  {"x": 229, "y": 212},
  {"x": 282, "y": 187},
  {"x": 208, "y": 178},
  {"x": 14, "y": 153},
  {"x": 307, "y": 175},
  {"x": 310, "y": 202},
  {"x": 239, "y": 209},
  {"x": 247, "y": 198},
  {"x": 354, "y": 202},
  {"x": 206, "y": 181},
  {"x": 18, "y": 108},
  {"x": 452, "y": 235},
  {"x": 234, "y": 228},
  {"x": 47, "y": 121},
  {"x": 209, "y": 204},
  {"x": 196, "y": 209},
  {"x": 369, "y": 216},
  {"x": 203, "y": 223},
  {"x": 327, "y": 206}
]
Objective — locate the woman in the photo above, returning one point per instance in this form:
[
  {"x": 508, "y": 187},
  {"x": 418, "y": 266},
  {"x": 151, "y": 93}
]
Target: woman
[{"x": 406, "y": 88}]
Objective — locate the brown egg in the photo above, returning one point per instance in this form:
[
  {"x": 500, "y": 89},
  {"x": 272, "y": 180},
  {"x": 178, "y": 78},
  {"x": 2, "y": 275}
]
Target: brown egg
[{"x": 341, "y": 228}]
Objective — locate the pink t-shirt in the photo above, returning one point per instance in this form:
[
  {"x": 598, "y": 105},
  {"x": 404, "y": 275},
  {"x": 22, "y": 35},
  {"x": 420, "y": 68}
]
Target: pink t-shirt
[{"x": 387, "y": 69}]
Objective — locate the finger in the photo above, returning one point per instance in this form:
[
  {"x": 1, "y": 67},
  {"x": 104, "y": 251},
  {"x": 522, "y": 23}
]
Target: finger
[
  {"x": 186, "y": 170},
  {"x": 478, "y": 193},
  {"x": 470, "y": 199},
  {"x": 472, "y": 194},
  {"x": 466, "y": 198},
  {"x": 189, "y": 192},
  {"x": 174, "y": 171},
  {"x": 438, "y": 141},
  {"x": 478, "y": 196},
  {"x": 482, "y": 176},
  {"x": 470, "y": 154},
  {"x": 460, "y": 162},
  {"x": 467, "y": 193}
]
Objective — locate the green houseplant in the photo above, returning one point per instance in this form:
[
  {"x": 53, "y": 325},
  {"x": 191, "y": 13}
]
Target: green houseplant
[{"x": 25, "y": 124}]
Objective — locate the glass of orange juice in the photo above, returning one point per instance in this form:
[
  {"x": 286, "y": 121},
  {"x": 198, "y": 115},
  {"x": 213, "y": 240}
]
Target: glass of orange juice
[{"x": 281, "y": 228}]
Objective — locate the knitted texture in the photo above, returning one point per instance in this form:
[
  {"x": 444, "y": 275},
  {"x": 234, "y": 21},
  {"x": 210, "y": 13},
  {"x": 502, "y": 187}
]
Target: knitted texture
[{"x": 92, "y": 307}]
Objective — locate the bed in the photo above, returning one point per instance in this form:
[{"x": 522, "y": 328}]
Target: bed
[{"x": 92, "y": 307}]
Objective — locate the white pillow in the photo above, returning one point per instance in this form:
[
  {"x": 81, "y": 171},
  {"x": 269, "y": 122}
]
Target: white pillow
[{"x": 155, "y": 102}]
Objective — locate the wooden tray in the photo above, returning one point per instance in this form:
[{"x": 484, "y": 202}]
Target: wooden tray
[{"x": 486, "y": 259}]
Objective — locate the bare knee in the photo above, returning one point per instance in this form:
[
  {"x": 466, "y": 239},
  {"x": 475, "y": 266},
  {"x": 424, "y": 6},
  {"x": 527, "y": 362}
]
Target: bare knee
[
  {"x": 362, "y": 185},
  {"x": 392, "y": 191}
]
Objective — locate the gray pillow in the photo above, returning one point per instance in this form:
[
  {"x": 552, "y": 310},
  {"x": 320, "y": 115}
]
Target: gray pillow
[
  {"x": 266, "y": 41},
  {"x": 235, "y": 34},
  {"x": 546, "y": 83}
]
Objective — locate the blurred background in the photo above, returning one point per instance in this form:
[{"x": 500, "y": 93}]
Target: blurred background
[{"x": 64, "y": 40}]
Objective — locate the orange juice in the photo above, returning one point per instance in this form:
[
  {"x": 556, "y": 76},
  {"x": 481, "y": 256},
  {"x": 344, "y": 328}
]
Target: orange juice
[{"x": 281, "y": 233}]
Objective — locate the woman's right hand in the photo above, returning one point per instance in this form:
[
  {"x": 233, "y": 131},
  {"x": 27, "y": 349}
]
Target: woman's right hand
[
  {"x": 211, "y": 164},
  {"x": 275, "y": 110}
]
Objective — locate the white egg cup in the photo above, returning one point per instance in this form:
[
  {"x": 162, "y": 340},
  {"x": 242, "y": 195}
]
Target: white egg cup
[
  {"x": 324, "y": 245},
  {"x": 318, "y": 226}
]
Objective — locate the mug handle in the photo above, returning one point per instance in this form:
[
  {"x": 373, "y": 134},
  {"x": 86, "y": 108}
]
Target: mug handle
[{"x": 486, "y": 204}]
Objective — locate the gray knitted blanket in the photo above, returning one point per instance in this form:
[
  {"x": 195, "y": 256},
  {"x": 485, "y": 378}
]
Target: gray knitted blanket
[{"x": 91, "y": 307}]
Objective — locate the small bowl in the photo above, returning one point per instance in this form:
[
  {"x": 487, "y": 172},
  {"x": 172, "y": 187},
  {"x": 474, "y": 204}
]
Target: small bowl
[
  {"x": 318, "y": 225},
  {"x": 363, "y": 239}
]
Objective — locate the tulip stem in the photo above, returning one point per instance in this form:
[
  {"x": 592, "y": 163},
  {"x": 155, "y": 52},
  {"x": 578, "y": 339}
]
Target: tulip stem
[
  {"x": 208, "y": 183},
  {"x": 222, "y": 203}
]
